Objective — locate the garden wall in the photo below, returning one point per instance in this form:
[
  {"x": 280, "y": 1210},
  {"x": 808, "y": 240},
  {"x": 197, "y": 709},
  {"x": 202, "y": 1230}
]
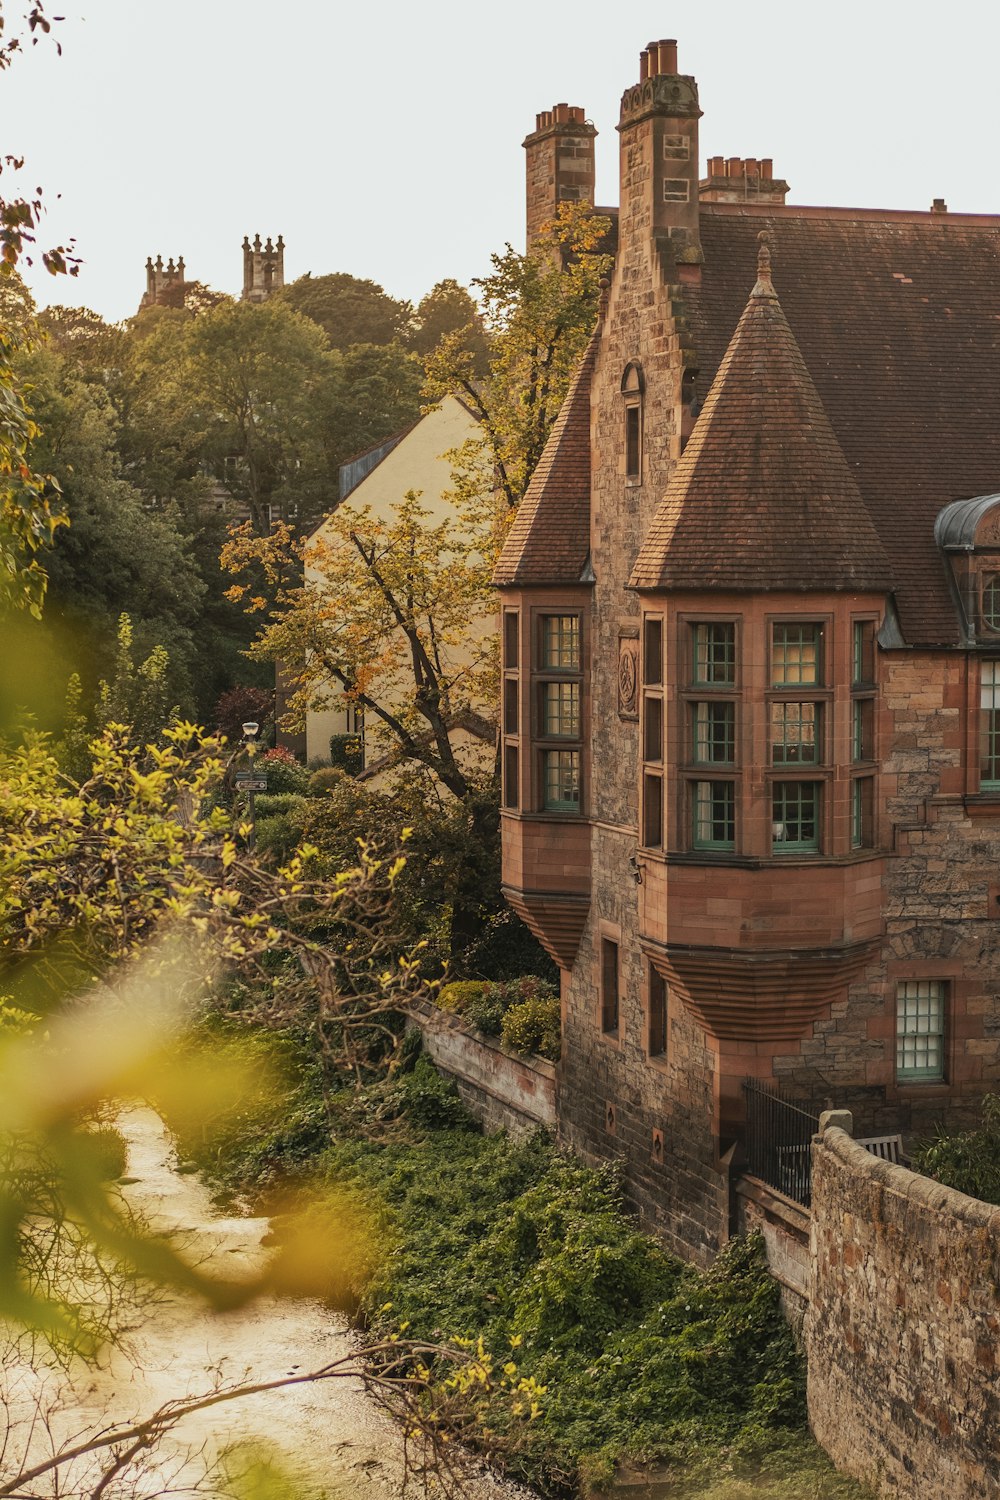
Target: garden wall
[
  {"x": 903, "y": 1326},
  {"x": 503, "y": 1090}
]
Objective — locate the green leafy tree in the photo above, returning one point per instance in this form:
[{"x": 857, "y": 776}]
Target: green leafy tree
[
  {"x": 449, "y": 309},
  {"x": 349, "y": 309},
  {"x": 540, "y": 310},
  {"x": 116, "y": 555}
]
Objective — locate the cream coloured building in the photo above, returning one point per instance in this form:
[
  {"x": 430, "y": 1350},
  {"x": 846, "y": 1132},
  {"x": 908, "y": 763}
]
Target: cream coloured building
[{"x": 416, "y": 460}]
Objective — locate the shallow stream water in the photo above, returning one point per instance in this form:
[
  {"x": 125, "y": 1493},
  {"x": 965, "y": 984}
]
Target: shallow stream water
[{"x": 340, "y": 1440}]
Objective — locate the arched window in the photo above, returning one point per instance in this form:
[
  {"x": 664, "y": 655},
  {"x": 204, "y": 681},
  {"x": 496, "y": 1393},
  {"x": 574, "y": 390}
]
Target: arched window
[{"x": 633, "y": 390}]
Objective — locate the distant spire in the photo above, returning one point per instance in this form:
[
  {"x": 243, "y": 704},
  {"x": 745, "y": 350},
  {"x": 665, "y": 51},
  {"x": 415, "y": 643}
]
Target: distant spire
[{"x": 764, "y": 286}]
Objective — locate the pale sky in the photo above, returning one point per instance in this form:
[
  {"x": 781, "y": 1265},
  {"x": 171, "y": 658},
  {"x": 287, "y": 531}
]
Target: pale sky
[{"x": 384, "y": 138}]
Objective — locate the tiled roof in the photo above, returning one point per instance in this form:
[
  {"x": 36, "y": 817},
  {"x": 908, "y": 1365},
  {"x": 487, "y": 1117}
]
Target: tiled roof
[
  {"x": 762, "y": 497},
  {"x": 550, "y": 538},
  {"x": 897, "y": 316}
]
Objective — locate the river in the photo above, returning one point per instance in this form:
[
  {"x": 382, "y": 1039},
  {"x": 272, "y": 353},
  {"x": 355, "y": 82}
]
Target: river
[{"x": 342, "y": 1443}]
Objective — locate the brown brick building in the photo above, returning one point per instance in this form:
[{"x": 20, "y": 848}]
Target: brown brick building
[{"x": 751, "y": 647}]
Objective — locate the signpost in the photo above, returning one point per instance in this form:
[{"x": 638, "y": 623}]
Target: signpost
[{"x": 249, "y": 781}]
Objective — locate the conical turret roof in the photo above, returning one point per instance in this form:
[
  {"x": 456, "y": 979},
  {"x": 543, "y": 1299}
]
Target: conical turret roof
[{"x": 762, "y": 497}]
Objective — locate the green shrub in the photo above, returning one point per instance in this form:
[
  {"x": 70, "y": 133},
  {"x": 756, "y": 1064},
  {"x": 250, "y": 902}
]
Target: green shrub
[
  {"x": 278, "y": 838},
  {"x": 486, "y": 1011},
  {"x": 457, "y": 995},
  {"x": 969, "y": 1160},
  {"x": 534, "y": 1025},
  {"x": 347, "y": 751},
  {"x": 280, "y": 804},
  {"x": 283, "y": 772},
  {"x": 324, "y": 779}
]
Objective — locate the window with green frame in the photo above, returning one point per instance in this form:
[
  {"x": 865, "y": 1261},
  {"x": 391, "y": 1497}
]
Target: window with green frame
[
  {"x": 560, "y": 645},
  {"x": 561, "y": 710},
  {"x": 795, "y": 654},
  {"x": 713, "y": 654},
  {"x": 713, "y": 733},
  {"x": 863, "y": 653},
  {"x": 713, "y": 809},
  {"x": 795, "y": 808},
  {"x": 991, "y": 602},
  {"x": 795, "y": 737},
  {"x": 862, "y": 812},
  {"x": 561, "y": 780},
  {"x": 862, "y": 721},
  {"x": 920, "y": 1025},
  {"x": 989, "y": 698}
]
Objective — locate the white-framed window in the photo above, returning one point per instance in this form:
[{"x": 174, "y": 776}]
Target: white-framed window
[{"x": 921, "y": 1012}]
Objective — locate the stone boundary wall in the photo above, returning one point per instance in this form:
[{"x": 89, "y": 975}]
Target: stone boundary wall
[
  {"x": 903, "y": 1327},
  {"x": 502, "y": 1089}
]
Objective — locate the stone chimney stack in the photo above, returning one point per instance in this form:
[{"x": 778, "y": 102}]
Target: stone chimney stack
[
  {"x": 263, "y": 268},
  {"x": 560, "y": 164},
  {"x": 658, "y": 132},
  {"x": 737, "y": 179}
]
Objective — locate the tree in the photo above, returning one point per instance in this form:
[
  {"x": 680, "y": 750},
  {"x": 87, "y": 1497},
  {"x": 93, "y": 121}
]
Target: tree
[
  {"x": 395, "y": 617},
  {"x": 28, "y": 518},
  {"x": 449, "y": 309},
  {"x": 375, "y": 392},
  {"x": 540, "y": 311},
  {"x": 349, "y": 310},
  {"x": 98, "y": 567}
]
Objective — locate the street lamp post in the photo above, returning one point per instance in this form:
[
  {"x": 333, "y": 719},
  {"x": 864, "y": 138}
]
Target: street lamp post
[{"x": 250, "y": 732}]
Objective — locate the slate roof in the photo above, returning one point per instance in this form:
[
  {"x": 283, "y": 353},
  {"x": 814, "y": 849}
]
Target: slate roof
[
  {"x": 550, "y": 539},
  {"x": 762, "y": 497},
  {"x": 897, "y": 316}
]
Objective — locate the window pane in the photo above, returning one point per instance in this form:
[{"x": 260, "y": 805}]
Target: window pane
[
  {"x": 714, "y": 733},
  {"x": 715, "y": 654},
  {"x": 795, "y": 734},
  {"x": 609, "y": 985},
  {"x": 561, "y": 780},
  {"x": 714, "y": 815},
  {"x": 652, "y": 729},
  {"x": 510, "y": 691},
  {"x": 990, "y": 723},
  {"x": 510, "y": 776},
  {"x": 652, "y": 651},
  {"x": 510, "y": 638},
  {"x": 863, "y": 668},
  {"x": 657, "y": 1013},
  {"x": 991, "y": 602},
  {"x": 632, "y": 442},
  {"x": 862, "y": 812},
  {"x": 794, "y": 655},
  {"x": 920, "y": 1005},
  {"x": 862, "y": 711},
  {"x": 561, "y": 709},
  {"x": 561, "y": 642},
  {"x": 652, "y": 812},
  {"x": 795, "y": 816}
]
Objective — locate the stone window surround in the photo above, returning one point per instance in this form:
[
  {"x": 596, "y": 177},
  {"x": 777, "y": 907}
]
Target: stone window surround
[
  {"x": 633, "y": 389},
  {"x": 835, "y": 769},
  {"x": 958, "y": 992}
]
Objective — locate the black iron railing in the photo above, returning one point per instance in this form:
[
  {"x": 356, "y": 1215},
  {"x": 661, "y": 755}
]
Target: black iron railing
[{"x": 778, "y": 1140}]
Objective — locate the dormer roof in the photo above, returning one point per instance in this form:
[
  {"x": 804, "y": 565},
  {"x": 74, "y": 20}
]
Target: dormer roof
[{"x": 762, "y": 497}]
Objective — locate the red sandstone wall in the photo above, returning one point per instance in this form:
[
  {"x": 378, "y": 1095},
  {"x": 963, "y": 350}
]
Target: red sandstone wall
[
  {"x": 503, "y": 1090},
  {"x": 903, "y": 1327}
]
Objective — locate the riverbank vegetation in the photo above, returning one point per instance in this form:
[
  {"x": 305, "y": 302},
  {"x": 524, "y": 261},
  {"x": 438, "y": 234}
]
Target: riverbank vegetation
[{"x": 638, "y": 1359}]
